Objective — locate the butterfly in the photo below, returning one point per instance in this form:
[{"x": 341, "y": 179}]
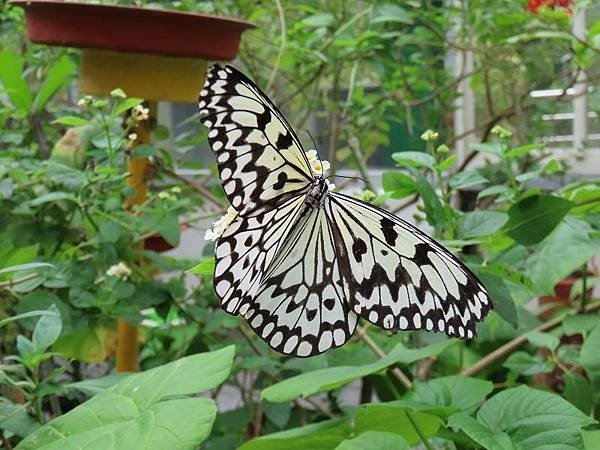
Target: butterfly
[{"x": 302, "y": 263}]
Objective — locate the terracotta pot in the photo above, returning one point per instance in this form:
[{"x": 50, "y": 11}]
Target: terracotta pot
[{"x": 158, "y": 244}]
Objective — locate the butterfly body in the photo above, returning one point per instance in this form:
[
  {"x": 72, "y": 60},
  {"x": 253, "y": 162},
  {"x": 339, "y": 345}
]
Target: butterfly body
[{"x": 300, "y": 262}]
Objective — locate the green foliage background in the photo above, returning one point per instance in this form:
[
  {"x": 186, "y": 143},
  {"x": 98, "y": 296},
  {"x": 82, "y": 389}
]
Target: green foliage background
[{"x": 373, "y": 73}]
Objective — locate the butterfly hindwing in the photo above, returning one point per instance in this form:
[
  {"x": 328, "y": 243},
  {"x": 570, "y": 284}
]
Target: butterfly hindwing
[
  {"x": 301, "y": 308},
  {"x": 260, "y": 160},
  {"x": 398, "y": 277}
]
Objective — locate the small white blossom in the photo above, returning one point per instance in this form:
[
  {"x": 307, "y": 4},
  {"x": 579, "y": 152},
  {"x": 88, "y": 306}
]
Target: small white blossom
[
  {"x": 85, "y": 101},
  {"x": 221, "y": 225},
  {"x": 132, "y": 136},
  {"x": 318, "y": 166},
  {"x": 163, "y": 195},
  {"x": 120, "y": 270},
  {"x": 140, "y": 113},
  {"x": 330, "y": 185},
  {"x": 176, "y": 190},
  {"x": 430, "y": 135},
  {"x": 118, "y": 93}
]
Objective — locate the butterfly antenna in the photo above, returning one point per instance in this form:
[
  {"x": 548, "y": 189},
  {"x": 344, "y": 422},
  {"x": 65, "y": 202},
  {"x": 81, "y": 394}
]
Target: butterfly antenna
[
  {"x": 350, "y": 178},
  {"x": 312, "y": 139}
]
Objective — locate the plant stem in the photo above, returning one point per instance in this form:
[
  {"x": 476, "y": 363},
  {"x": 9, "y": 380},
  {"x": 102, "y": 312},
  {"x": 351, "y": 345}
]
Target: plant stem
[
  {"x": 402, "y": 378},
  {"x": 517, "y": 342},
  {"x": 584, "y": 273},
  {"x": 413, "y": 422}
]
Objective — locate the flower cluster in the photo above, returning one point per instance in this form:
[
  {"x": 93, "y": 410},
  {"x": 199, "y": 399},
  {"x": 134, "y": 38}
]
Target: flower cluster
[
  {"x": 120, "y": 270},
  {"x": 430, "y": 136},
  {"x": 85, "y": 101},
  {"x": 140, "y": 113},
  {"x": 221, "y": 225},
  {"x": 535, "y": 5},
  {"x": 318, "y": 166}
]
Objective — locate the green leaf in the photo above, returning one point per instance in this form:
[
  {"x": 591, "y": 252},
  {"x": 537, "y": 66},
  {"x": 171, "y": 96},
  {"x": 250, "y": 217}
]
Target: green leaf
[
  {"x": 51, "y": 197},
  {"x": 22, "y": 316},
  {"x": 525, "y": 364},
  {"x": 544, "y": 340},
  {"x": 398, "y": 184},
  {"x": 375, "y": 440},
  {"x": 433, "y": 206},
  {"x": 390, "y": 13},
  {"x": 143, "y": 151},
  {"x": 278, "y": 413},
  {"x": 493, "y": 190},
  {"x": 168, "y": 228},
  {"x": 331, "y": 378},
  {"x": 28, "y": 266},
  {"x": 93, "y": 386},
  {"x": 414, "y": 159},
  {"x": 534, "y": 218},
  {"x": 110, "y": 231},
  {"x": 47, "y": 330},
  {"x": 447, "y": 163},
  {"x": 480, "y": 434},
  {"x": 589, "y": 356},
  {"x": 579, "y": 392},
  {"x": 466, "y": 179},
  {"x": 518, "y": 151},
  {"x": 73, "y": 121},
  {"x": 533, "y": 418},
  {"x": 14, "y": 418},
  {"x": 495, "y": 149},
  {"x": 541, "y": 34},
  {"x": 580, "y": 324},
  {"x": 143, "y": 410},
  {"x": 504, "y": 304},
  {"x": 591, "y": 439},
  {"x": 481, "y": 223},
  {"x": 455, "y": 391},
  {"x": 125, "y": 105},
  {"x": 13, "y": 81},
  {"x": 319, "y": 20},
  {"x": 205, "y": 267},
  {"x": 58, "y": 76}
]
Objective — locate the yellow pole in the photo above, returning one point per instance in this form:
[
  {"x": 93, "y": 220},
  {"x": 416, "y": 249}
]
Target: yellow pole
[{"x": 127, "y": 344}]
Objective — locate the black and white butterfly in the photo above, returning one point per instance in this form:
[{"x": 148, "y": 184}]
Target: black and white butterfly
[{"x": 301, "y": 263}]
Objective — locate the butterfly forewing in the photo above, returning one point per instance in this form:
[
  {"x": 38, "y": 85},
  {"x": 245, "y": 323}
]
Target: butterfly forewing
[
  {"x": 398, "y": 277},
  {"x": 260, "y": 160}
]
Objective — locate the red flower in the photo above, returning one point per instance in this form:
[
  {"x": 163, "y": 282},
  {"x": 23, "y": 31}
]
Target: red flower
[{"x": 534, "y": 5}]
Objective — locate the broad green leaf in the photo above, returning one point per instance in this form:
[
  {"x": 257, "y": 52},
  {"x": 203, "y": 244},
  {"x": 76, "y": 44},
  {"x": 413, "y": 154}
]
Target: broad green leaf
[
  {"x": 569, "y": 246},
  {"x": 504, "y": 304},
  {"x": 143, "y": 410},
  {"x": 579, "y": 392},
  {"x": 493, "y": 190},
  {"x": 522, "y": 150},
  {"x": 456, "y": 391},
  {"x": 93, "y": 386},
  {"x": 277, "y": 413},
  {"x": 507, "y": 273},
  {"x": 589, "y": 356},
  {"x": 57, "y": 77},
  {"x": 375, "y": 440},
  {"x": 51, "y": 197},
  {"x": 110, "y": 231},
  {"x": 125, "y": 105},
  {"x": 13, "y": 80},
  {"x": 22, "y": 316},
  {"x": 390, "y": 12},
  {"x": 168, "y": 228},
  {"x": 525, "y": 364},
  {"x": 28, "y": 266},
  {"x": 414, "y": 159},
  {"x": 580, "y": 324},
  {"x": 534, "y": 218},
  {"x": 447, "y": 163},
  {"x": 496, "y": 149},
  {"x": 545, "y": 340},
  {"x": 432, "y": 203},
  {"x": 47, "y": 330},
  {"x": 591, "y": 439},
  {"x": 398, "y": 184},
  {"x": 14, "y": 418},
  {"x": 480, "y": 434},
  {"x": 481, "y": 223},
  {"x": 466, "y": 179},
  {"x": 331, "y": 378},
  {"x": 533, "y": 418},
  {"x": 73, "y": 121},
  {"x": 205, "y": 267}
]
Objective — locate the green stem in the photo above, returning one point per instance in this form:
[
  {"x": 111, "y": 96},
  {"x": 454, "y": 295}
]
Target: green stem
[
  {"x": 584, "y": 273},
  {"x": 413, "y": 422},
  {"x": 390, "y": 384}
]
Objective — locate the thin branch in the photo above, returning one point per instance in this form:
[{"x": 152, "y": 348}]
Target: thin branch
[
  {"x": 402, "y": 378},
  {"x": 283, "y": 34},
  {"x": 517, "y": 342}
]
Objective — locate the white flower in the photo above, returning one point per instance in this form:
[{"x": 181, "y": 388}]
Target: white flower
[
  {"x": 132, "y": 136},
  {"x": 120, "y": 270},
  {"x": 176, "y": 190},
  {"x": 163, "y": 195},
  {"x": 330, "y": 185},
  {"x": 430, "y": 135},
  {"x": 85, "y": 101},
  {"x": 140, "y": 113},
  {"x": 318, "y": 166},
  {"x": 221, "y": 225},
  {"x": 118, "y": 93}
]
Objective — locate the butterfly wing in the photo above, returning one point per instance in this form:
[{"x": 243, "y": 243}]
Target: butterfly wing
[
  {"x": 300, "y": 307},
  {"x": 260, "y": 160},
  {"x": 398, "y": 277},
  {"x": 246, "y": 249}
]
